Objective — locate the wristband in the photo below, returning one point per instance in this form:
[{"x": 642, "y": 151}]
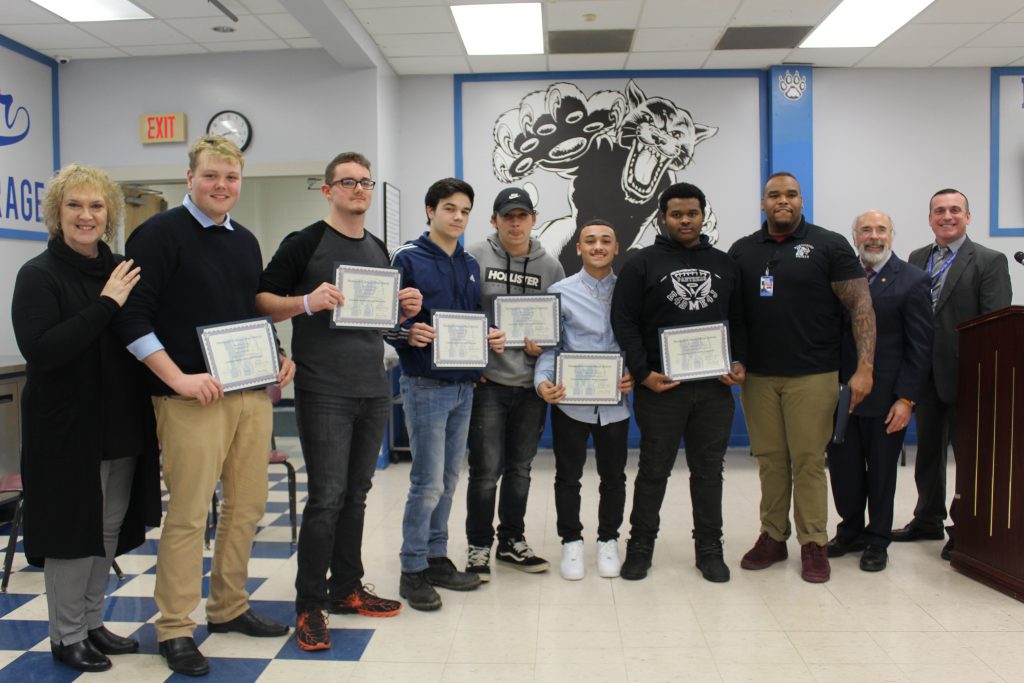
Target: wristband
[
  {"x": 305, "y": 304},
  {"x": 908, "y": 402}
]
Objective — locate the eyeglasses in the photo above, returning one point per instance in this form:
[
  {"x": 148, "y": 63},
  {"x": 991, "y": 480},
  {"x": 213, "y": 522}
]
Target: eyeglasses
[{"x": 350, "y": 183}]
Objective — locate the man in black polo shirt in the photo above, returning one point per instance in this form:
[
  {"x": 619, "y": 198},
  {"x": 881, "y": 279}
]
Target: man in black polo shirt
[{"x": 794, "y": 276}]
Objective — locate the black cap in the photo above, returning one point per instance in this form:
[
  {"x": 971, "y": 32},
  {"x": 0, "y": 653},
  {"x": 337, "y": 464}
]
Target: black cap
[{"x": 512, "y": 198}]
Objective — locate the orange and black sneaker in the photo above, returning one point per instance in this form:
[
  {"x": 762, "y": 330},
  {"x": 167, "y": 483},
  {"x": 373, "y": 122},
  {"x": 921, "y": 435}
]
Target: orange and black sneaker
[
  {"x": 365, "y": 602},
  {"x": 311, "y": 631}
]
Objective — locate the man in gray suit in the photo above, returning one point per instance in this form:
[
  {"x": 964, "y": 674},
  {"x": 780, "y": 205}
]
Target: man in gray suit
[{"x": 967, "y": 280}]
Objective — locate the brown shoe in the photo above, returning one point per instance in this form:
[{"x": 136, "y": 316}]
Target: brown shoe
[
  {"x": 766, "y": 552},
  {"x": 814, "y": 558}
]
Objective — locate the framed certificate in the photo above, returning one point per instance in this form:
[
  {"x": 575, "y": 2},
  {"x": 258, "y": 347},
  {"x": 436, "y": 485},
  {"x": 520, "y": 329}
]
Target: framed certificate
[
  {"x": 589, "y": 378},
  {"x": 371, "y": 296},
  {"x": 536, "y": 316},
  {"x": 691, "y": 352},
  {"x": 461, "y": 339},
  {"x": 241, "y": 355}
]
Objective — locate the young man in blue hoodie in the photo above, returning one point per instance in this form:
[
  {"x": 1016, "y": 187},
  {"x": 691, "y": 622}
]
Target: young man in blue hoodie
[{"x": 437, "y": 402}]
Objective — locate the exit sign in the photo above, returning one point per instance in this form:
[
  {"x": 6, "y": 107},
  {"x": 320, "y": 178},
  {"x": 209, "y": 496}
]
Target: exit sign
[{"x": 168, "y": 127}]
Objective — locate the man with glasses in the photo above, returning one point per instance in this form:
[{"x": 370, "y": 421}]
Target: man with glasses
[
  {"x": 342, "y": 397},
  {"x": 967, "y": 280}
]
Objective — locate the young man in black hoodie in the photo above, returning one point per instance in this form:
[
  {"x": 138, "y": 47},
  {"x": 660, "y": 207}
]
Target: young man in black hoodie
[{"x": 679, "y": 280}]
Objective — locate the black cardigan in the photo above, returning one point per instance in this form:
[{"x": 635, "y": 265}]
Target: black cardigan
[{"x": 83, "y": 401}]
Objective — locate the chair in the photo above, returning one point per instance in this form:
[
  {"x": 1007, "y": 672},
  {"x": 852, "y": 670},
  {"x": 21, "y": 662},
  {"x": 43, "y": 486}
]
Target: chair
[
  {"x": 11, "y": 483},
  {"x": 276, "y": 457}
]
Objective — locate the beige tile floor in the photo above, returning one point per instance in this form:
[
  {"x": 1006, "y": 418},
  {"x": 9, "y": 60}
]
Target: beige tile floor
[{"x": 917, "y": 621}]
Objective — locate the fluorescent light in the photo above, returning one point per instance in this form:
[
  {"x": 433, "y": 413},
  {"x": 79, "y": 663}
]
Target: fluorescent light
[
  {"x": 507, "y": 29},
  {"x": 93, "y": 10},
  {"x": 863, "y": 23}
]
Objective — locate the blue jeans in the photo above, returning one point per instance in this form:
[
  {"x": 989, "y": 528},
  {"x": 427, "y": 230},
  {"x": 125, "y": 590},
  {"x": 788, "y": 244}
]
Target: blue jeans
[
  {"x": 437, "y": 419},
  {"x": 503, "y": 435},
  {"x": 340, "y": 439}
]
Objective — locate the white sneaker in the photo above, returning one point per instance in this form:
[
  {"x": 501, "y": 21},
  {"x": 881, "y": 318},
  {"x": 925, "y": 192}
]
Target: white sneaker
[
  {"x": 608, "y": 562},
  {"x": 572, "y": 561}
]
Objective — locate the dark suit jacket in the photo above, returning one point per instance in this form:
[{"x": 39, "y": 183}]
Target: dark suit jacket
[
  {"x": 978, "y": 282},
  {"x": 903, "y": 320}
]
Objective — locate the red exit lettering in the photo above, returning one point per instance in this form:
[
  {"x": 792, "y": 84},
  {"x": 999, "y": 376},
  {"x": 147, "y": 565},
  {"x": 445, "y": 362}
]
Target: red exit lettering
[{"x": 160, "y": 127}]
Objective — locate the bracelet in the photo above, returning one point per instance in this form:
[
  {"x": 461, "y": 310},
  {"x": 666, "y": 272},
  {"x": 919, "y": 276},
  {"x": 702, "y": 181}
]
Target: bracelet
[
  {"x": 908, "y": 402},
  {"x": 305, "y": 304}
]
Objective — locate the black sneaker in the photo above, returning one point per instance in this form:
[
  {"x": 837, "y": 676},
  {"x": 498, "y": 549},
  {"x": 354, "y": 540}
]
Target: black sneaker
[
  {"x": 515, "y": 553},
  {"x": 478, "y": 561},
  {"x": 418, "y": 592},
  {"x": 442, "y": 573},
  {"x": 638, "y": 559},
  {"x": 710, "y": 561}
]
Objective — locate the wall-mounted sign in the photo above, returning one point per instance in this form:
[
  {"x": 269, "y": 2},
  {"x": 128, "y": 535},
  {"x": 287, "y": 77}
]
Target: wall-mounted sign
[{"x": 169, "y": 127}]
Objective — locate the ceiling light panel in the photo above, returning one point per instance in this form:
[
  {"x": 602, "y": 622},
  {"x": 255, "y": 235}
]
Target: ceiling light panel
[
  {"x": 93, "y": 10},
  {"x": 503, "y": 29},
  {"x": 863, "y": 23}
]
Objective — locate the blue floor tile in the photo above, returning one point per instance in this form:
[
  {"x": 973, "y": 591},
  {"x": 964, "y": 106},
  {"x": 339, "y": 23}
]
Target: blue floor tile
[
  {"x": 269, "y": 550},
  {"x": 228, "y": 670},
  {"x": 33, "y": 667},
  {"x": 21, "y": 634},
  {"x": 129, "y": 608},
  {"x": 347, "y": 645},
  {"x": 12, "y": 601}
]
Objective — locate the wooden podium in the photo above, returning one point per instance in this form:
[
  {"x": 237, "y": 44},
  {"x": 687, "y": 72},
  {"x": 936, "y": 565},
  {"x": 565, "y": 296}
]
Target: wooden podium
[{"x": 990, "y": 451}]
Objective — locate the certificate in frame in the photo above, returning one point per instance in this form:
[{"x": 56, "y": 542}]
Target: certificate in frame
[
  {"x": 691, "y": 352},
  {"x": 371, "y": 296},
  {"x": 589, "y": 378},
  {"x": 242, "y": 354},
  {"x": 460, "y": 341},
  {"x": 537, "y": 316}
]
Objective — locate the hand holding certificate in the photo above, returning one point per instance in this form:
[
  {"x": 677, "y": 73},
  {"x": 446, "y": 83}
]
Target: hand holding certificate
[
  {"x": 533, "y": 316},
  {"x": 692, "y": 352},
  {"x": 460, "y": 339},
  {"x": 241, "y": 355},
  {"x": 589, "y": 378},
  {"x": 370, "y": 295}
]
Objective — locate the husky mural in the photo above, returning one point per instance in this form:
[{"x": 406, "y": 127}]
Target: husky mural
[{"x": 618, "y": 150}]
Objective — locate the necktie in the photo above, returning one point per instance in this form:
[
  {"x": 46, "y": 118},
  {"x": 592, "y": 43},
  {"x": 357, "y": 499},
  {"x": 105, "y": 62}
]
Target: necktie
[
  {"x": 870, "y": 272},
  {"x": 941, "y": 253}
]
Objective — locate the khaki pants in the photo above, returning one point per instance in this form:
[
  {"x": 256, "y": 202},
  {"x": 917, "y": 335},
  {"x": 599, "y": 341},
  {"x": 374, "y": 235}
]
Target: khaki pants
[
  {"x": 228, "y": 441},
  {"x": 790, "y": 424}
]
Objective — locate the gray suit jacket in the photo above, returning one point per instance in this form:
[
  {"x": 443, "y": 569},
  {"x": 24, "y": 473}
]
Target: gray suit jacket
[{"x": 978, "y": 282}]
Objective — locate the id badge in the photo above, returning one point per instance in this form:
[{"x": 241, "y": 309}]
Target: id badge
[{"x": 767, "y": 285}]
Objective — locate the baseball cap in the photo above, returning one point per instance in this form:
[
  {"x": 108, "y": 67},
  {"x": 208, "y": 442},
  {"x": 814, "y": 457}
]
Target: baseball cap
[{"x": 512, "y": 198}]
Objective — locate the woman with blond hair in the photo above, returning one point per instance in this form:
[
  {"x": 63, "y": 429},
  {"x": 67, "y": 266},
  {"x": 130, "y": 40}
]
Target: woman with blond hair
[{"x": 88, "y": 463}]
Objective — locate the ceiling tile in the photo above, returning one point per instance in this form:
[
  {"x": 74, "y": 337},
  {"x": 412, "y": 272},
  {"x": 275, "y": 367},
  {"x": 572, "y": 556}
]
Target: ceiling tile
[
  {"x": 833, "y": 57},
  {"x": 263, "y": 6},
  {"x": 687, "y": 13},
  {"x": 587, "y": 62},
  {"x": 407, "y": 20},
  {"x": 782, "y": 12},
  {"x": 1000, "y": 35},
  {"x": 609, "y": 14},
  {"x": 25, "y": 12},
  {"x": 164, "y": 50},
  {"x": 284, "y": 25},
  {"x": 508, "y": 63},
  {"x": 692, "y": 59},
  {"x": 248, "y": 46},
  {"x": 176, "y": 9},
  {"x": 897, "y": 56},
  {"x": 934, "y": 35},
  {"x": 420, "y": 44},
  {"x": 957, "y": 11},
  {"x": 413, "y": 66},
  {"x": 745, "y": 59},
  {"x": 201, "y": 30},
  {"x": 142, "y": 32},
  {"x": 373, "y": 4},
  {"x": 42, "y": 37},
  {"x": 982, "y": 56},
  {"x": 675, "y": 39},
  {"x": 304, "y": 43}
]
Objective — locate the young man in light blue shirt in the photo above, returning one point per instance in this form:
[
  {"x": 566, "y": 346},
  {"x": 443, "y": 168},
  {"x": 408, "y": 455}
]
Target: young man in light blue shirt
[{"x": 585, "y": 304}]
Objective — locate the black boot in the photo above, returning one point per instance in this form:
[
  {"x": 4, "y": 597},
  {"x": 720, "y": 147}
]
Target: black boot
[
  {"x": 638, "y": 559},
  {"x": 710, "y": 561}
]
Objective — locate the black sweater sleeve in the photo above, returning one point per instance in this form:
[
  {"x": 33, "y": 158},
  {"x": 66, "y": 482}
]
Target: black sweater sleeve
[
  {"x": 627, "y": 308},
  {"x": 289, "y": 262},
  {"x": 148, "y": 249}
]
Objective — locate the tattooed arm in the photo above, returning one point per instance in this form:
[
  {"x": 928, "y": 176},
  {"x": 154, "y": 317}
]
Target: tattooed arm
[{"x": 856, "y": 298}]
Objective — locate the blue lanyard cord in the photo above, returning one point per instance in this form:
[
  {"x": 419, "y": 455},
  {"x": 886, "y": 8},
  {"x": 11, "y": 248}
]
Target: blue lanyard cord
[{"x": 943, "y": 268}]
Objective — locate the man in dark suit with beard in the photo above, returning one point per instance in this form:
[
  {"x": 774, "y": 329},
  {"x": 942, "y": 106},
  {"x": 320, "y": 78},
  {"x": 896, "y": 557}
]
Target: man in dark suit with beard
[
  {"x": 967, "y": 280},
  {"x": 863, "y": 468}
]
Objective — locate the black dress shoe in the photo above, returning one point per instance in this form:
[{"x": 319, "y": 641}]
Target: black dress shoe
[
  {"x": 184, "y": 657},
  {"x": 837, "y": 548},
  {"x": 947, "y": 551},
  {"x": 912, "y": 532},
  {"x": 251, "y": 624},
  {"x": 80, "y": 656},
  {"x": 112, "y": 644},
  {"x": 874, "y": 559}
]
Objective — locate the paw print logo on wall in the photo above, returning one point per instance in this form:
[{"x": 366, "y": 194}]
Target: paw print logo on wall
[{"x": 793, "y": 85}]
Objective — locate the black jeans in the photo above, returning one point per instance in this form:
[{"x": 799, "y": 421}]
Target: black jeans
[
  {"x": 341, "y": 438},
  {"x": 701, "y": 413},
  {"x": 570, "y": 442},
  {"x": 503, "y": 433}
]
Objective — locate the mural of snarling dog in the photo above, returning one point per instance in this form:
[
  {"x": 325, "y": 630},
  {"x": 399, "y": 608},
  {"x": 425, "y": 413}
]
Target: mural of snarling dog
[{"x": 616, "y": 149}]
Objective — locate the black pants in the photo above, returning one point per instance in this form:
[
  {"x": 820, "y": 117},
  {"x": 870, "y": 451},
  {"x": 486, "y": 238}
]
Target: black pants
[
  {"x": 863, "y": 472},
  {"x": 936, "y": 430},
  {"x": 570, "y": 444},
  {"x": 701, "y": 413}
]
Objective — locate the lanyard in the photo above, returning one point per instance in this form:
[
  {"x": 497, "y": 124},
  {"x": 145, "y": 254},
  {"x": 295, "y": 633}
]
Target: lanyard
[{"x": 943, "y": 268}]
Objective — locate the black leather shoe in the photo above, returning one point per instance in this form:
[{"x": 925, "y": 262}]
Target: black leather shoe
[
  {"x": 251, "y": 624},
  {"x": 184, "y": 657},
  {"x": 80, "y": 656},
  {"x": 874, "y": 559},
  {"x": 639, "y": 555},
  {"x": 837, "y": 548},
  {"x": 947, "y": 551},
  {"x": 912, "y": 532},
  {"x": 112, "y": 644}
]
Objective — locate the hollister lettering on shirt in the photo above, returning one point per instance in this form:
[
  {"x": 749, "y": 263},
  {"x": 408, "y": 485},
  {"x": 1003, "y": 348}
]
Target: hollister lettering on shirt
[
  {"x": 692, "y": 289},
  {"x": 513, "y": 278}
]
